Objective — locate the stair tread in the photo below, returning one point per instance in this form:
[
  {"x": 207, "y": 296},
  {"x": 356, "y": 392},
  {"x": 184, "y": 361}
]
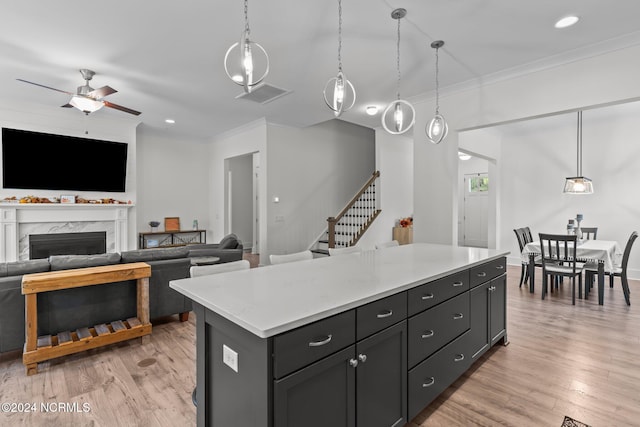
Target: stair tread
[{"x": 320, "y": 251}]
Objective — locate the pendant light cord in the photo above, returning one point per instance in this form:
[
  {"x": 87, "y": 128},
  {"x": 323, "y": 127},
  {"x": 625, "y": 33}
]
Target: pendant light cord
[
  {"x": 437, "y": 83},
  {"x": 398, "y": 59},
  {"x": 339, "y": 35},
  {"x": 246, "y": 16},
  {"x": 579, "y": 150}
]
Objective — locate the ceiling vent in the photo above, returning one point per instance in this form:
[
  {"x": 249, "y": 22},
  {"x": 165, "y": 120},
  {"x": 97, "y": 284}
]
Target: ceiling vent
[{"x": 263, "y": 94}]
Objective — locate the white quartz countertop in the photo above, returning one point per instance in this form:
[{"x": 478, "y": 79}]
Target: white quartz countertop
[{"x": 276, "y": 298}]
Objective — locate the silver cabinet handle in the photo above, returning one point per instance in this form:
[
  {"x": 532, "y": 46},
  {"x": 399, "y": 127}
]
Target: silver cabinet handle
[
  {"x": 483, "y": 274},
  {"x": 353, "y": 363},
  {"x": 458, "y": 316},
  {"x": 427, "y": 296},
  {"x": 319, "y": 343},
  {"x": 428, "y": 334},
  {"x": 492, "y": 288},
  {"x": 362, "y": 357},
  {"x": 500, "y": 267},
  {"x": 457, "y": 284},
  {"x": 384, "y": 314},
  {"x": 431, "y": 381},
  {"x": 459, "y": 358}
]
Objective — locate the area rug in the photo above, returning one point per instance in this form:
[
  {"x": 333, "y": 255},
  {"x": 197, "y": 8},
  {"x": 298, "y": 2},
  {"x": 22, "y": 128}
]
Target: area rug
[{"x": 570, "y": 422}]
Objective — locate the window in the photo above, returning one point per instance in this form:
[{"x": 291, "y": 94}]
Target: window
[{"x": 478, "y": 184}]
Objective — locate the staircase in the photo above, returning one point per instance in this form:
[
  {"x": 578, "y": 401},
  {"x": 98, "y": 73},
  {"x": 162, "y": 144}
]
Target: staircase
[{"x": 346, "y": 228}]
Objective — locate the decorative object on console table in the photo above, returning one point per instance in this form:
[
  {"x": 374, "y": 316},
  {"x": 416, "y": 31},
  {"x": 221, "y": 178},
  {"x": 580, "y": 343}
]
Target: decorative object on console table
[
  {"x": 172, "y": 223},
  {"x": 195, "y": 224},
  {"x": 154, "y": 225},
  {"x": 404, "y": 235}
]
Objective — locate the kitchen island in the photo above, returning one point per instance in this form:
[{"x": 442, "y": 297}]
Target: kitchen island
[{"x": 363, "y": 339}]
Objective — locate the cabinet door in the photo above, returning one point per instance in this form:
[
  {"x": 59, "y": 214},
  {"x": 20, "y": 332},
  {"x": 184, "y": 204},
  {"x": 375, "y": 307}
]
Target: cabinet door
[
  {"x": 381, "y": 378},
  {"x": 498, "y": 316},
  {"x": 479, "y": 334},
  {"x": 320, "y": 395}
]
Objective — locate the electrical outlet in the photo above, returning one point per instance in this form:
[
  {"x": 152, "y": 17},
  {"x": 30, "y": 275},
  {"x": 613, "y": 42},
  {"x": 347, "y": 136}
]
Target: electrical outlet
[{"x": 230, "y": 357}]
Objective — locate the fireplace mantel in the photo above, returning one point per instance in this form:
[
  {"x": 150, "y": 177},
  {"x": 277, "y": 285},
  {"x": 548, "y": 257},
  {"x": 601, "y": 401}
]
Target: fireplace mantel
[{"x": 15, "y": 215}]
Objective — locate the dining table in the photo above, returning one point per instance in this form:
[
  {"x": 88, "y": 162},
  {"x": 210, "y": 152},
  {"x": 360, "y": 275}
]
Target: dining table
[{"x": 603, "y": 252}]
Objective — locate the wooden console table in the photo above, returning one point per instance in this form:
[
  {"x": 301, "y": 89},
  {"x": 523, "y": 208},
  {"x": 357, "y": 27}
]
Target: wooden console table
[
  {"x": 171, "y": 238},
  {"x": 38, "y": 349}
]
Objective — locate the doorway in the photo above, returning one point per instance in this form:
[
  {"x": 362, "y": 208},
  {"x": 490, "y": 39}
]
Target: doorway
[
  {"x": 241, "y": 190},
  {"x": 476, "y": 210}
]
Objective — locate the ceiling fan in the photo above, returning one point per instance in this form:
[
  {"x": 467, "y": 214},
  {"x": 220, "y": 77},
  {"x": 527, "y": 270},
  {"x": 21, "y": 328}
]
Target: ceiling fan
[{"x": 88, "y": 99}]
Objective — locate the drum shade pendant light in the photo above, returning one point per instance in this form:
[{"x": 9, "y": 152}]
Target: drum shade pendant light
[
  {"x": 437, "y": 128},
  {"x": 578, "y": 184},
  {"x": 399, "y": 115},
  {"x": 240, "y": 68},
  {"x": 344, "y": 94}
]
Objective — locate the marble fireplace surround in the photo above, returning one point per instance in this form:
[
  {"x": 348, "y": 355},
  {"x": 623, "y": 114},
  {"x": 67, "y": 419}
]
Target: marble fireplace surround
[{"x": 18, "y": 220}]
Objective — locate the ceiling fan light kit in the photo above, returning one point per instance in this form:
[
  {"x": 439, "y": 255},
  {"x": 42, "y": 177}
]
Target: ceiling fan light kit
[
  {"x": 399, "y": 116},
  {"x": 339, "y": 89},
  {"x": 247, "y": 58},
  {"x": 86, "y": 98}
]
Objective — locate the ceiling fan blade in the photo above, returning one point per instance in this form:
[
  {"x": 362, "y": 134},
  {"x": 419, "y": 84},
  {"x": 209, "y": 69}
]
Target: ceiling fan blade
[
  {"x": 101, "y": 92},
  {"x": 46, "y": 87},
  {"x": 67, "y": 106},
  {"x": 121, "y": 108}
]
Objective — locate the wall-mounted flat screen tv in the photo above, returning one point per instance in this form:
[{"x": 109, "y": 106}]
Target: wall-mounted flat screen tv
[{"x": 43, "y": 161}]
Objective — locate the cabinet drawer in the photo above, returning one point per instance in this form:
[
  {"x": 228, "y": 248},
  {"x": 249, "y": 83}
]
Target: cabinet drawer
[
  {"x": 431, "y": 377},
  {"x": 380, "y": 314},
  {"x": 433, "y": 328},
  {"x": 435, "y": 292},
  {"x": 300, "y": 347},
  {"x": 485, "y": 272}
]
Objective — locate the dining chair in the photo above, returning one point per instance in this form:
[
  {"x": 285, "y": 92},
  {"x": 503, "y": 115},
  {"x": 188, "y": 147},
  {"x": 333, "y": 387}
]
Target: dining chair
[
  {"x": 559, "y": 260},
  {"x": 523, "y": 235},
  {"x": 345, "y": 251},
  {"x": 591, "y": 270},
  {"x": 204, "y": 270},
  {"x": 388, "y": 244},
  {"x": 297, "y": 256},
  {"x": 589, "y": 233}
]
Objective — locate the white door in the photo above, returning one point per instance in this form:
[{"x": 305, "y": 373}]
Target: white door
[{"x": 476, "y": 208}]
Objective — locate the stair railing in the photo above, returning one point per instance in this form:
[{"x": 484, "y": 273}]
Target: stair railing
[{"x": 346, "y": 228}]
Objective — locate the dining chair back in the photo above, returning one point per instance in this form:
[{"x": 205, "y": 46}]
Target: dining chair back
[
  {"x": 559, "y": 260},
  {"x": 523, "y": 235},
  {"x": 205, "y": 270},
  {"x": 345, "y": 251},
  {"x": 388, "y": 244},
  {"x": 296, "y": 256},
  {"x": 618, "y": 270},
  {"x": 589, "y": 233}
]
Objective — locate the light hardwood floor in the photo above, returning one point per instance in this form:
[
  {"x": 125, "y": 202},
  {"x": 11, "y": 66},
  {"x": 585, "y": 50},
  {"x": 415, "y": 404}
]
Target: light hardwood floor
[{"x": 581, "y": 361}]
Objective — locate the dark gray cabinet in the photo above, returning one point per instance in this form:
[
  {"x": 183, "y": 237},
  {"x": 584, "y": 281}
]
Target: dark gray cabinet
[
  {"x": 488, "y": 309},
  {"x": 376, "y": 365}
]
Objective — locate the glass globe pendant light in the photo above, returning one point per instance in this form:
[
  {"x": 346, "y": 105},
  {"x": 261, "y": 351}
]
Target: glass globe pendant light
[
  {"x": 343, "y": 90},
  {"x": 437, "y": 128},
  {"x": 399, "y": 115},
  {"x": 246, "y": 60}
]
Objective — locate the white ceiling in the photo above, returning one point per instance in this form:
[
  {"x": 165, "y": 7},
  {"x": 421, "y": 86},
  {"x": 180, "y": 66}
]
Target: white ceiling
[{"x": 166, "y": 57}]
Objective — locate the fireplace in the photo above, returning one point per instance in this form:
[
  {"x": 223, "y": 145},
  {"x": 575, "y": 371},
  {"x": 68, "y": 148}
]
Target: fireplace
[{"x": 87, "y": 243}]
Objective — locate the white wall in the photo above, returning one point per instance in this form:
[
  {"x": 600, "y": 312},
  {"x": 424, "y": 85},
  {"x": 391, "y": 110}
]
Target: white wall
[
  {"x": 173, "y": 181},
  {"x": 315, "y": 171},
  {"x": 394, "y": 160},
  {"x": 596, "y": 80}
]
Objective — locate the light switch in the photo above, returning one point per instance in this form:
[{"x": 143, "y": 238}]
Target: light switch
[{"x": 230, "y": 357}]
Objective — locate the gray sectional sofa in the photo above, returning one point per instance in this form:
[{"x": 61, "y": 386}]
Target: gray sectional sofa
[{"x": 70, "y": 309}]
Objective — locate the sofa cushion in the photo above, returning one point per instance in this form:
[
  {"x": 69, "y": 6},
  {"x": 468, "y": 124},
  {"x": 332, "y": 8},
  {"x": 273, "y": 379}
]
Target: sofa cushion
[
  {"x": 67, "y": 262},
  {"x": 19, "y": 268},
  {"x": 230, "y": 241},
  {"x": 3, "y": 269},
  {"x": 142, "y": 255}
]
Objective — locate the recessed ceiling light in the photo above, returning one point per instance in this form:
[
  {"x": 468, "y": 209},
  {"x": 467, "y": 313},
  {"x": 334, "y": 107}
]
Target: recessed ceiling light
[
  {"x": 372, "y": 110},
  {"x": 567, "y": 21},
  {"x": 170, "y": 121}
]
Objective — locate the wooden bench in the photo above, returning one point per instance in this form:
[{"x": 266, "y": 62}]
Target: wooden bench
[{"x": 38, "y": 349}]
